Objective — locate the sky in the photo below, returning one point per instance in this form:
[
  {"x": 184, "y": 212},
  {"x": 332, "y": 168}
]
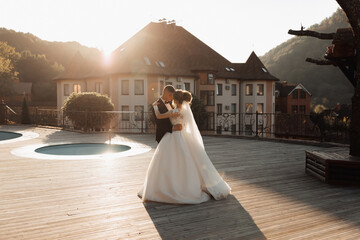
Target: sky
[{"x": 233, "y": 28}]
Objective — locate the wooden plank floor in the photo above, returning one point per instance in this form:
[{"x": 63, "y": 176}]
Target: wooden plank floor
[{"x": 272, "y": 197}]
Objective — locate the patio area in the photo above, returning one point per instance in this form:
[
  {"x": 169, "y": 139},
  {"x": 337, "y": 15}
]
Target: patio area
[{"x": 96, "y": 198}]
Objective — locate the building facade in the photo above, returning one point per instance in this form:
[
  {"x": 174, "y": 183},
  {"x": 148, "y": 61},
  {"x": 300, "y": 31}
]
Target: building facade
[
  {"x": 292, "y": 98},
  {"x": 165, "y": 54}
]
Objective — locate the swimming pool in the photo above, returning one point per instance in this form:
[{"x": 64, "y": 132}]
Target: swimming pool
[
  {"x": 8, "y": 135},
  {"x": 82, "y": 149}
]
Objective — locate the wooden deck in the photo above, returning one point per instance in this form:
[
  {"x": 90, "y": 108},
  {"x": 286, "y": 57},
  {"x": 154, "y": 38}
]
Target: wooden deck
[{"x": 272, "y": 197}]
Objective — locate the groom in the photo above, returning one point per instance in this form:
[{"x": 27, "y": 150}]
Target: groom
[{"x": 162, "y": 113}]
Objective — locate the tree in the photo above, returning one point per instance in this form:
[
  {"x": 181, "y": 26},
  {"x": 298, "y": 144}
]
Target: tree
[
  {"x": 352, "y": 11},
  {"x": 349, "y": 66},
  {"x": 8, "y": 59},
  {"x": 199, "y": 112},
  {"x": 37, "y": 69},
  {"x": 85, "y": 110},
  {"x": 25, "y": 114}
]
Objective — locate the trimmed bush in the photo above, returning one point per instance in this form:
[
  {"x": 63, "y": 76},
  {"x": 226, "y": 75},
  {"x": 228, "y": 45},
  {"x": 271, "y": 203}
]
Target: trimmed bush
[
  {"x": 25, "y": 114},
  {"x": 199, "y": 111},
  {"x": 85, "y": 110}
]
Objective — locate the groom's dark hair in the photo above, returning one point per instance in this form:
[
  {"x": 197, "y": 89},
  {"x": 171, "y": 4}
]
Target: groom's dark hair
[{"x": 169, "y": 88}]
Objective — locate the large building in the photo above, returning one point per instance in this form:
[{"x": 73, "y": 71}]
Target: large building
[{"x": 162, "y": 54}]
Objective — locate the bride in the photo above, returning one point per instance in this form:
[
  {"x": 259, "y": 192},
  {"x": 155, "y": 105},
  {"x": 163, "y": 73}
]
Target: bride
[{"x": 180, "y": 171}]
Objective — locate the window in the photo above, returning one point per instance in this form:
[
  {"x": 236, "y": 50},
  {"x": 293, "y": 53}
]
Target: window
[
  {"x": 248, "y": 107},
  {"x": 233, "y": 89},
  {"x": 219, "y": 89},
  {"x": 294, "y": 109},
  {"x": 179, "y": 86},
  {"x": 187, "y": 86},
  {"x": 147, "y": 61},
  {"x": 66, "y": 89},
  {"x": 139, "y": 109},
  {"x": 207, "y": 97},
  {"x": 302, "y": 94},
  {"x": 99, "y": 87},
  {"x": 295, "y": 94},
  {"x": 260, "y": 108},
  {"x": 210, "y": 79},
  {"x": 302, "y": 109},
  {"x": 125, "y": 116},
  {"x": 219, "y": 109},
  {"x": 233, "y": 108},
  {"x": 77, "y": 88},
  {"x": 124, "y": 87},
  {"x": 249, "y": 90},
  {"x": 260, "y": 89},
  {"x": 139, "y": 87}
]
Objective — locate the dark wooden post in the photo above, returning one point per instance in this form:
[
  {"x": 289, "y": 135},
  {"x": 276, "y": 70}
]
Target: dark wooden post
[
  {"x": 256, "y": 124},
  {"x": 3, "y": 118}
]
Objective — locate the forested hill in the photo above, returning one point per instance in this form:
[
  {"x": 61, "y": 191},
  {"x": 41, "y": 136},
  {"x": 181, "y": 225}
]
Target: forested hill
[
  {"x": 60, "y": 52},
  {"x": 327, "y": 84},
  {"x": 27, "y": 58}
]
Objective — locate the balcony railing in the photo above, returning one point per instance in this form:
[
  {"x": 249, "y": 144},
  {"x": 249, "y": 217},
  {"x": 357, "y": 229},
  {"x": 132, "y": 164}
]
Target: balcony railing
[{"x": 270, "y": 125}]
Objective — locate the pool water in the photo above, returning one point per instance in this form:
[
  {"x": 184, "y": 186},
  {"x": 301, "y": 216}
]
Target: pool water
[
  {"x": 82, "y": 149},
  {"x": 8, "y": 135}
]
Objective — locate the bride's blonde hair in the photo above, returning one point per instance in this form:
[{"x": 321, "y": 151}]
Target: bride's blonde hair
[{"x": 182, "y": 95}]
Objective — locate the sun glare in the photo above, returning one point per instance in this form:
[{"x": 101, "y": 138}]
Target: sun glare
[{"x": 106, "y": 57}]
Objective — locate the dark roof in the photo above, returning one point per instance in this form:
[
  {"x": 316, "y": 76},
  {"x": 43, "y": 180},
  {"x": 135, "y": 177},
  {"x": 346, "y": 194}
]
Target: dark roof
[
  {"x": 254, "y": 69},
  {"x": 167, "y": 49},
  {"x": 286, "y": 89},
  {"x": 170, "y": 49},
  {"x": 181, "y": 54}
]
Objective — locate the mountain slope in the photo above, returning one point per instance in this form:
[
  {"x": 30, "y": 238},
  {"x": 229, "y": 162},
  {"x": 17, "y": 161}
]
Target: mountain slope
[
  {"x": 61, "y": 52},
  {"x": 327, "y": 84}
]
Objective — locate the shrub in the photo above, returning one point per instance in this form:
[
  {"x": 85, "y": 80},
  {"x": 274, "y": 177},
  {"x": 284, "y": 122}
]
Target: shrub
[
  {"x": 199, "y": 112},
  {"x": 85, "y": 110},
  {"x": 25, "y": 114}
]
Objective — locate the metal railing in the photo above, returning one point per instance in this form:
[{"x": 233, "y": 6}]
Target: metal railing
[
  {"x": 116, "y": 121},
  {"x": 6, "y": 113},
  {"x": 278, "y": 125},
  {"x": 270, "y": 125}
]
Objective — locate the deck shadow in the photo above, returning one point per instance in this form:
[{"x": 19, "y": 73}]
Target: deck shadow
[
  {"x": 280, "y": 168},
  {"x": 229, "y": 219}
]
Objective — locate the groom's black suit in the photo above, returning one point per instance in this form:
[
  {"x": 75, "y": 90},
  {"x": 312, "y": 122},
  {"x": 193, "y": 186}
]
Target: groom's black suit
[{"x": 162, "y": 125}]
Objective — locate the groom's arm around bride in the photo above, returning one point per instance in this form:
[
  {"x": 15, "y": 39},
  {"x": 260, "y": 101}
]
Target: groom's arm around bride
[{"x": 162, "y": 112}]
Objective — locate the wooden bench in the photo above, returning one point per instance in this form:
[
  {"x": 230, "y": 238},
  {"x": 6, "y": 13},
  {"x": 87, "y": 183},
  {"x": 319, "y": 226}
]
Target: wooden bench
[{"x": 333, "y": 167}]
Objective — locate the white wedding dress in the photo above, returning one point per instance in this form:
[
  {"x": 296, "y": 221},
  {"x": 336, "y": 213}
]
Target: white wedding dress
[{"x": 180, "y": 171}]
